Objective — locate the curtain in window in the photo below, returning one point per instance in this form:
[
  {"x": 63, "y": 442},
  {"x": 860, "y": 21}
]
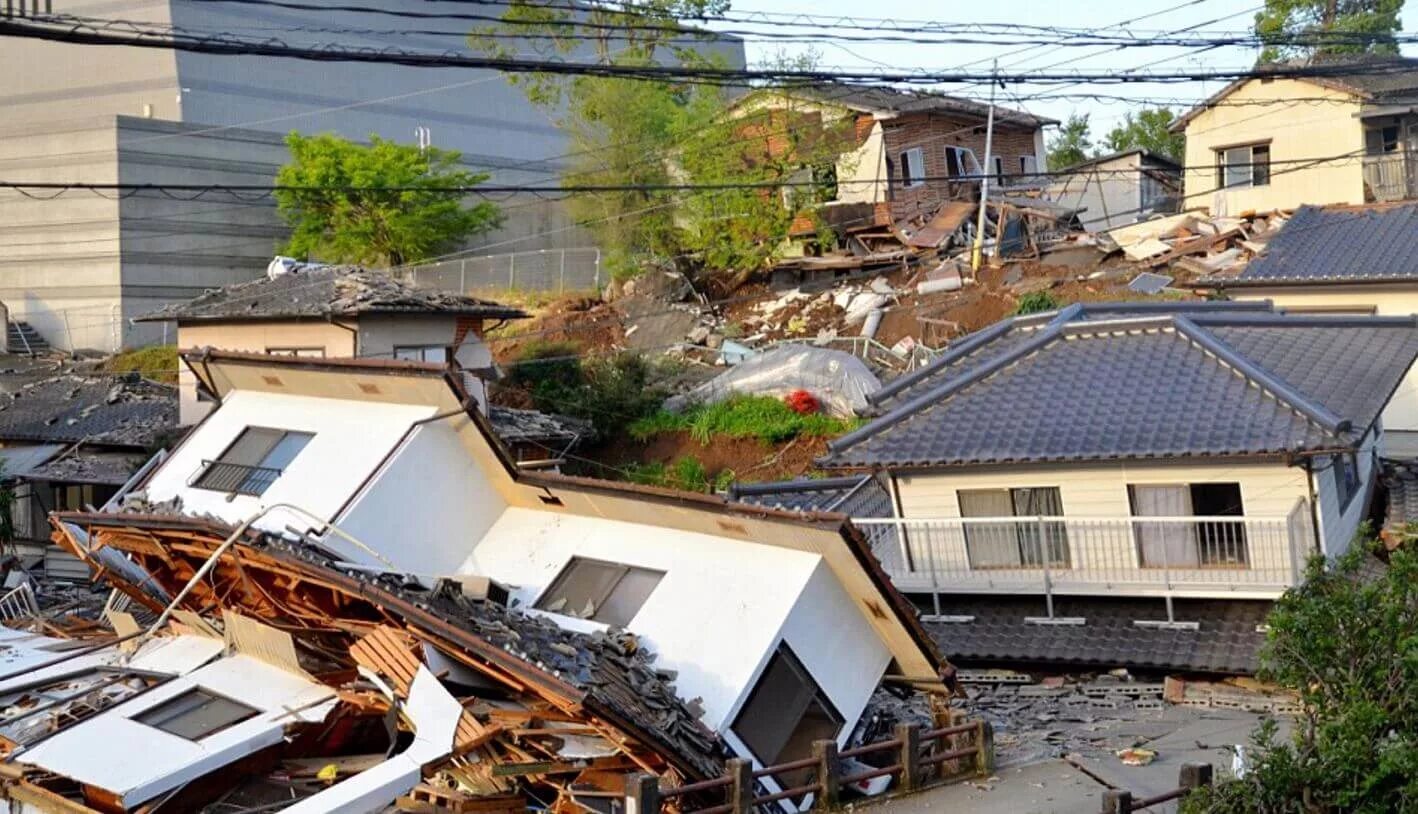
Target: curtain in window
[
  {"x": 1041, "y": 502},
  {"x": 990, "y": 545},
  {"x": 1170, "y": 544}
]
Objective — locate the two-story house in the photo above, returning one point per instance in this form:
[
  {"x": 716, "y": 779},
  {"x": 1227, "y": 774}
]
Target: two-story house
[
  {"x": 1276, "y": 142},
  {"x": 1186, "y": 454},
  {"x": 330, "y": 312},
  {"x": 1343, "y": 260},
  {"x": 781, "y": 623},
  {"x": 904, "y": 152}
]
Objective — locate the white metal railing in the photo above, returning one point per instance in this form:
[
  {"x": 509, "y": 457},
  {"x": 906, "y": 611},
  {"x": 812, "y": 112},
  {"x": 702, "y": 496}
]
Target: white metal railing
[
  {"x": 19, "y": 603},
  {"x": 1131, "y": 556},
  {"x": 1390, "y": 176}
]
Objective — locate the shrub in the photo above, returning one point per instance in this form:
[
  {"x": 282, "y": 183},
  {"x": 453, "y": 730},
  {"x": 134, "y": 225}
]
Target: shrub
[
  {"x": 610, "y": 391},
  {"x": 1035, "y": 302},
  {"x": 687, "y": 473},
  {"x": 157, "y": 362},
  {"x": 762, "y": 417}
]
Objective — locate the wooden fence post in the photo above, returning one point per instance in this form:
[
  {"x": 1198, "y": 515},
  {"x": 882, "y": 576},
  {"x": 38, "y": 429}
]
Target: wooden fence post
[
  {"x": 910, "y": 737},
  {"x": 1117, "y": 802},
  {"x": 1194, "y": 775},
  {"x": 829, "y": 773},
  {"x": 642, "y": 794},
  {"x": 985, "y": 746},
  {"x": 741, "y": 790}
]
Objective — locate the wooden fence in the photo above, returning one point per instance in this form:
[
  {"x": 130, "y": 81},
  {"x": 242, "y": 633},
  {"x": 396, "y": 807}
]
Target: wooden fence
[
  {"x": 1192, "y": 776},
  {"x": 916, "y": 762}
]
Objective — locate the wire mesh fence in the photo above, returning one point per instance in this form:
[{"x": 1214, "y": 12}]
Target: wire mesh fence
[{"x": 546, "y": 270}]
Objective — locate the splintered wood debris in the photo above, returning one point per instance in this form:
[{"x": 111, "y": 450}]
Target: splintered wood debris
[{"x": 549, "y": 717}]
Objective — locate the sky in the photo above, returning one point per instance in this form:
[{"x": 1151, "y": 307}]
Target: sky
[{"x": 1210, "y": 16}]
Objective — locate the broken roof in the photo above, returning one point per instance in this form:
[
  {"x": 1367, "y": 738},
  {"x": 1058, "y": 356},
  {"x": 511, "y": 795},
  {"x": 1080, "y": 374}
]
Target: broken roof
[
  {"x": 1147, "y": 156},
  {"x": 117, "y": 410},
  {"x": 331, "y": 291},
  {"x": 513, "y": 425},
  {"x": 1121, "y": 382},
  {"x": 853, "y": 495},
  {"x": 887, "y": 101},
  {"x": 89, "y": 466},
  {"x": 1347, "y": 244}
]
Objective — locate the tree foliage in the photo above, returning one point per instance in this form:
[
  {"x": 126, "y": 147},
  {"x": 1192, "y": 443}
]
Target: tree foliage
[
  {"x": 609, "y": 391},
  {"x": 1347, "y": 641},
  {"x": 376, "y": 204},
  {"x": 1148, "y": 130},
  {"x": 1373, "y": 22},
  {"x": 641, "y": 133},
  {"x": 1072, "y": 145}
]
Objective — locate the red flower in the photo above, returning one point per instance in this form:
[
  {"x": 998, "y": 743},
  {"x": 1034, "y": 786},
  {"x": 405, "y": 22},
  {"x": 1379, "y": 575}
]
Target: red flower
[{"x": 802, "y": 402}]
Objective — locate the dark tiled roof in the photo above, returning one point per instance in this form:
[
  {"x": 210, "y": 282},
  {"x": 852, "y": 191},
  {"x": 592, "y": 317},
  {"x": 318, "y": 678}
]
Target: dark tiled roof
[
  {"x": 855, "y": 495},
  {"x": 1341, "y": 244},
  {"x": 1226, "y": 641},
  {"x": 84, "y": 466},
  {"x": 513, "y": 425},
  {"x": 120, "y": 410},
  {"x": 1164, "y": 385},
  {"x": 887, "y": 99},
  {"x": 1376, "y": 77},
  {"x": 325, "y": 292}
]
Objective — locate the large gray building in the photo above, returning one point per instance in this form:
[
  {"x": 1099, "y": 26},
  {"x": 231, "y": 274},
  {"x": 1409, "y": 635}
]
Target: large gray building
[{"x": 77, "y": 268}]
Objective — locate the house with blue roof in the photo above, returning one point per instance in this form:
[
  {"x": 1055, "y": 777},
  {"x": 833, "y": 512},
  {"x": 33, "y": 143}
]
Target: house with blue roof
[
  {"x": 1166, "y": 456},
  {"x": 1343, "y": 260}
]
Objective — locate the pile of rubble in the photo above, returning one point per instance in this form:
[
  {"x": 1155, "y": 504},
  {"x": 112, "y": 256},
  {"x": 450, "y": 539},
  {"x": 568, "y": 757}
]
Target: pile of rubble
[{"x": 1195, "y": 243}]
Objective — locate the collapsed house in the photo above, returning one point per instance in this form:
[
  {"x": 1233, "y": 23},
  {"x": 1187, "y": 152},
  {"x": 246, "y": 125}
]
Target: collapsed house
[{"x": 538, "y": 637}]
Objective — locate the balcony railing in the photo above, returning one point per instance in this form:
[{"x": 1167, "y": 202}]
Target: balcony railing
[
  {"x": 1391, "y": 176},
  {"x": 240, "y": 479},
  {"x": 1241, "y": 557}
]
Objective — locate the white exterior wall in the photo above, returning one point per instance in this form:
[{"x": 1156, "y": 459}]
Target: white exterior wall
[
  {"x": 1100, "y": 490},
  {"x": 114, "y": 752},
  {"x": 714, "y": 617},
  {"x": 1110, "y": 192},
  {"x": 428, "y": 506},
  {"x": 351, "y": 439},
  {"x": 1401, "y": 415}
]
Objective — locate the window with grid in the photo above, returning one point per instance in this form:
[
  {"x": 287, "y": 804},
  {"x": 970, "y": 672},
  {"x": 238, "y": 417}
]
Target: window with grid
[
  {"x": 196, "y": 714},
  {"x": 601, "y": 591},
  {"x": 785, "y": 712},
  {"x": 253, "y": 461},
  {"x": 1244, "y": 166}
]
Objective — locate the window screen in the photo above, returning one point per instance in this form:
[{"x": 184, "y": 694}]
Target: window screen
[
  {"x": 196, "y": 714},
  {"x": 600, "y": 591},
  {"x": 784, "y": 714},
  {"x": 253, "y": 461}
]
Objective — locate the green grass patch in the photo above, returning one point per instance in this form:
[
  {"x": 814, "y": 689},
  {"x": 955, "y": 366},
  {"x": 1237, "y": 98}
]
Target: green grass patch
[
  {"x": 762, "y": 417},
  {"x": 158, "y": 362}
]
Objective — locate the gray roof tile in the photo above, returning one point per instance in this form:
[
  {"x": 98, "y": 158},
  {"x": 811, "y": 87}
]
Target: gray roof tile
[
  {"x": 1218, "y": 382},
  {"x": 324, "y": 292},
  {"x": 854, "y": 495},
  {"x": 1347, "y": 244},
  {"x": 122, "y": 410}
]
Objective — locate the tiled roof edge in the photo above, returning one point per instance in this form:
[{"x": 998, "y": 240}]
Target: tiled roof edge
[
  {"x": 1301, "y": 403},
  {"x": 1049, "y": 334}
]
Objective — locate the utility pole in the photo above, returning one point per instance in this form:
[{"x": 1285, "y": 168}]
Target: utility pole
[{"x": 978, "y": 251}]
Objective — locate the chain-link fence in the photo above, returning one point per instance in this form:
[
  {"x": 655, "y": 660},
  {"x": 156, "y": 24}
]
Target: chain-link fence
[{"x": 551, "y": 270}]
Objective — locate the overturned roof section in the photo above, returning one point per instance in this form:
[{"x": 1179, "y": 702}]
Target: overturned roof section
[
  {"x": 1117, "y": 382},
  {"x": 1338, "y": 245},
  {"x": 532, "y": 426},
  {"x": 118, "y": 410},
  {"x": 885, "y": 101},
  {"x": 853, "y": 495},
  {"x": 320, "y": 293}
]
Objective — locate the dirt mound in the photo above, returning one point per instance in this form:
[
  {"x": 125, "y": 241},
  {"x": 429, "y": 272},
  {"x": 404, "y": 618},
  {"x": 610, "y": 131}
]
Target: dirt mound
[
  {"x": 749, "y": 459},
  {"x": 584, "y": 322}
]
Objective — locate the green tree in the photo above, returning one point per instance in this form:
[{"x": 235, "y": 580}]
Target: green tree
[
  {"x": 1284, "y": 25},
  {"x": 378, "y": 204},
  {"x": 1148, "y": 130},
  {"x": 1346, "y": 640},
  {"x": 1072, "y": 145}
]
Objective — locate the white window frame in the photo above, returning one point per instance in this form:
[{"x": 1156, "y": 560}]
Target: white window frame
[
  {"x": 1028, "y": 165},
  {"x": 419, "y": 353},
  {"x": 967, "y": 162},
  {"x": 304, "y": 352},
  {"x": 155, "y": 718},
  {"x": 1247, "y": 171},
  {"x": 555, "y": 592},
  {"x": 913, "y": 168}
]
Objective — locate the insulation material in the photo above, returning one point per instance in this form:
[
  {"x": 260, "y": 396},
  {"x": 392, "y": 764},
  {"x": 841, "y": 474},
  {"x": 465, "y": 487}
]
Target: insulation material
[{"x": 839, "y": 380}]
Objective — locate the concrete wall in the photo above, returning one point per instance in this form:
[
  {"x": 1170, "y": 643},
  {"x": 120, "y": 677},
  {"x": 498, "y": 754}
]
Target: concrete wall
[
  {"x": 1261, "y": 111},
  {"x": 1110, "y": 192},
  {"x": 1401, "y": 414}
]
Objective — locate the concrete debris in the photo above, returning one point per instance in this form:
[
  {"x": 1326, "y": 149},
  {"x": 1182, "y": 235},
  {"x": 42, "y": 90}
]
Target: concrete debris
[{"x": 1194, "y": 242}]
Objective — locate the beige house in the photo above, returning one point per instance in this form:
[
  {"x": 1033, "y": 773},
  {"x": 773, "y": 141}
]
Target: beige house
[
  {"x": 1266, "y": 143},
  {"x": 333, "y": 312},
  {"x": 1344, "y": 260},
  {"x": 1176, "y": 452}
]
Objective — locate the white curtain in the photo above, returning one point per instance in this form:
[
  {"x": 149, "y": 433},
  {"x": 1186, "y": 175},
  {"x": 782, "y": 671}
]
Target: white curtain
[
  {"x": 989, "y": 545},
  {"x": 1170, "y": 544}
]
